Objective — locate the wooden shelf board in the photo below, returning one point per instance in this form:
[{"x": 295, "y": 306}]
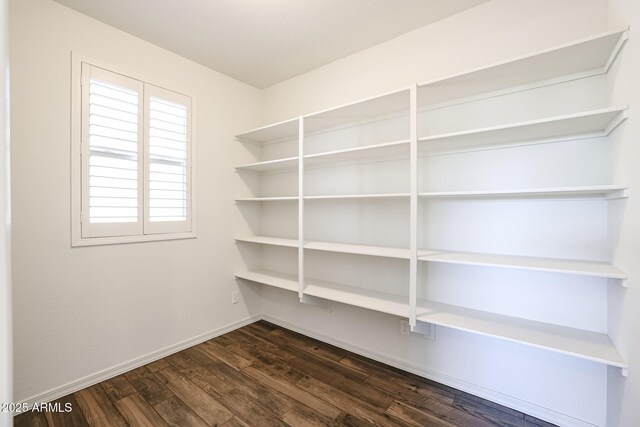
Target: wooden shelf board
[
  {"x": 357, "y": 112},
  {"x": 270, "y": 165},
  {"x": 553, "y": 265},
  {"x": 574, "y": 126},
  {"x": 396, "y": 149},
  {"x": 271, "y": 278},
  {"x": 359, "y": 196},
  {"x": 580, "y": 343},
  {"x": 396, "y": 305},
  {"x": 265, "y": 240},
  {"x": 274, "y": 132},
  {"x": 591, "y": 54},
  {"x": 267, "y": 199},
  {"x": 381, "y": 251},
  {"x": 593, "y": 191}
]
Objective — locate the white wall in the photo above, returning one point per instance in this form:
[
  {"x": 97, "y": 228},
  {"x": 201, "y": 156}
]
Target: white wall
[
  {"x": 5, "y": 269},
  {"x": 624, "y": 393},
  {"x": 80, "y": 311},
  {"x": 559, "y": 388}
]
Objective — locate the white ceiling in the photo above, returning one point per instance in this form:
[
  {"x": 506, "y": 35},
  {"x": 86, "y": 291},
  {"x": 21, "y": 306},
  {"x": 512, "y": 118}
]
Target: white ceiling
[{"x": 264, "y": 42}]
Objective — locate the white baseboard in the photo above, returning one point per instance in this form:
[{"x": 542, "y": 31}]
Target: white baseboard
[
  {"x": 474, "y": 389},
  {"x": 89, "y": 380}
]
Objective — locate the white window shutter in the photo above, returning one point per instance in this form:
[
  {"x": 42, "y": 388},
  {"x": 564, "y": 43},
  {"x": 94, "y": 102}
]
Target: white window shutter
[
  {"x": 167, "y": 162},
  {"x": 112, "y": 133}
]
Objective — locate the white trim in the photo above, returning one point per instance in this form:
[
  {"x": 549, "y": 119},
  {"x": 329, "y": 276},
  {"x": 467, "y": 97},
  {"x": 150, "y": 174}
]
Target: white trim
[
  {"x": 511, "y": 402},
  {"x": 6, "y": 341},
  {"x": 301, "y": 208},
  {"x": 93, "y": 241},
  {"x": 105, "y": 374},
  {"x": 413, "y": 210}
]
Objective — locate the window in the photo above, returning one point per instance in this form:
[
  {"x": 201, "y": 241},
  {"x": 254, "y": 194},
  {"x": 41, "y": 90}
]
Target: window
[{"x": 135, "y": 180}]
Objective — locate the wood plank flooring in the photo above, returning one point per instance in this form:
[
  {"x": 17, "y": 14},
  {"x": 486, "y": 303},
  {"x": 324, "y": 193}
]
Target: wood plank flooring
[{"x": 262, "y": 376}]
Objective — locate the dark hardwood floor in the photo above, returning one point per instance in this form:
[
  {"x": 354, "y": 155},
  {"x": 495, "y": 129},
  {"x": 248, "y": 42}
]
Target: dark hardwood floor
[{"x": 263, "y": 375}]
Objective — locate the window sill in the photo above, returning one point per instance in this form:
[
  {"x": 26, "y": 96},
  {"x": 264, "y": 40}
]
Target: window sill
[{"x": 116, "y": 240}]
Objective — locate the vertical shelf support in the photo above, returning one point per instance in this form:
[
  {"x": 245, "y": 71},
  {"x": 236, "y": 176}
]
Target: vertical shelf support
[
  {"x": 413, "y": 188},
  {"x": 301, "y": 208}
]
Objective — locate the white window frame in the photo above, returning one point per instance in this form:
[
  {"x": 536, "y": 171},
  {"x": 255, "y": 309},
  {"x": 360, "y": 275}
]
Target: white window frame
[{"x": 143, "y": 230}]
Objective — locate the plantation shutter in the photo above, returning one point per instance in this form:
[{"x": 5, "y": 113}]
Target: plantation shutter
[
  {"x": 167, "y": 161},
  {"x": 112, "y": 160}
]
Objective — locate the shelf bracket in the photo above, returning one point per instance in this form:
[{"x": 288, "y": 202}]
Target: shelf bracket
[
  {"x": 427, "y": 330},
  {"x": 624, "y": 372},
  {"x": 324, "y": 304},
  {"x": 619, "y": 194},
  {"x": 621, "y": 282}
]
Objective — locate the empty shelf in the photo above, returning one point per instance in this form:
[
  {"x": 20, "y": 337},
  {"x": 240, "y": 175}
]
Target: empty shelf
[
  {"x": 588, "y": 124},
  {"x": 270, "y": 165},
  {"x": 264, "y": 240},
  {"x": 271, "y": 133},
  {"x": 359, "y": 196},
  {"x": 580, "y": 343},
  {"x": 271, "y": 278},
  {"x": 268, "y": 199},
  {"x": 583, "y": 268},
  {"x": 358, "y": 112},
  {"x": 397, "y": 305},
  {"x": 590, "y": 55},
  {"x": 381, "y": 251},
  {"x": 391, "y": 150},
  {"x": 593, "y": 191}
]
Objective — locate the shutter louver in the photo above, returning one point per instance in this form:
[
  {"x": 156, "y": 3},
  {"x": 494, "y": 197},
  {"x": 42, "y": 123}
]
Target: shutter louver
[
  {"x": 135, "y": 158},
  {"x": 113, "y": 153},
  {"x": 167, "y": 160}
]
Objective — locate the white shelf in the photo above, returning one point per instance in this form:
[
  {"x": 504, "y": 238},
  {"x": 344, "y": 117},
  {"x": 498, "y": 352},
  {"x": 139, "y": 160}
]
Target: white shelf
[
  {"x": 588, "y": 124},
  {"x": 580, "y": 343},
  {"x": 366, "y": 110},
  {"x": 396, "y": 305},
  {"x": 270, "y": 165},
  {"x": 380, "y": 251},
  {"x": 359, "y": 196},
  {"x": 589, "y": 56},
  {"x": 271, "y": 133},
  {"x": 271, "y": 278},
  {"x": 389, "y": 150},
  {"x": 370, "y": 250},
  {"x": 264, "y": 240},
  {"x": 267, "y": 199},
  {"x": 583, "y": 268},
  {"x": 591, "y": 192}
]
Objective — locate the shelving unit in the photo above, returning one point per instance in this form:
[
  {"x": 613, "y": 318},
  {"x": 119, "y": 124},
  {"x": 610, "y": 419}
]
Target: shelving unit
[
  {"x": 270, "y": 165},
  {"x": 384, "y": 137},
  {"x": 284, "y": 281},
  {"x": 267, "y": 199},
  {"x": 582, "y": 58},
  {"x": 590, "y": 124},
  {"x": 579, "y": 343},
  {"x": 264, "y": 240},
  {"x": 377, "y": 251},
  {"x": 396, "y": 149},
  {"x": 359, "y": 196},
  {"x": 373, "y": 300},
  {"x": 606, "y": 192},
  {"x": 582, "y": 268}
]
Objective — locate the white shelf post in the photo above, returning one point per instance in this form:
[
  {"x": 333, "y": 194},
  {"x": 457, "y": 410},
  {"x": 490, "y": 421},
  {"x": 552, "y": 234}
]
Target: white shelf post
[
  {"x": 413, "y": 222},
  {"x": 301, "y": 208}
]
